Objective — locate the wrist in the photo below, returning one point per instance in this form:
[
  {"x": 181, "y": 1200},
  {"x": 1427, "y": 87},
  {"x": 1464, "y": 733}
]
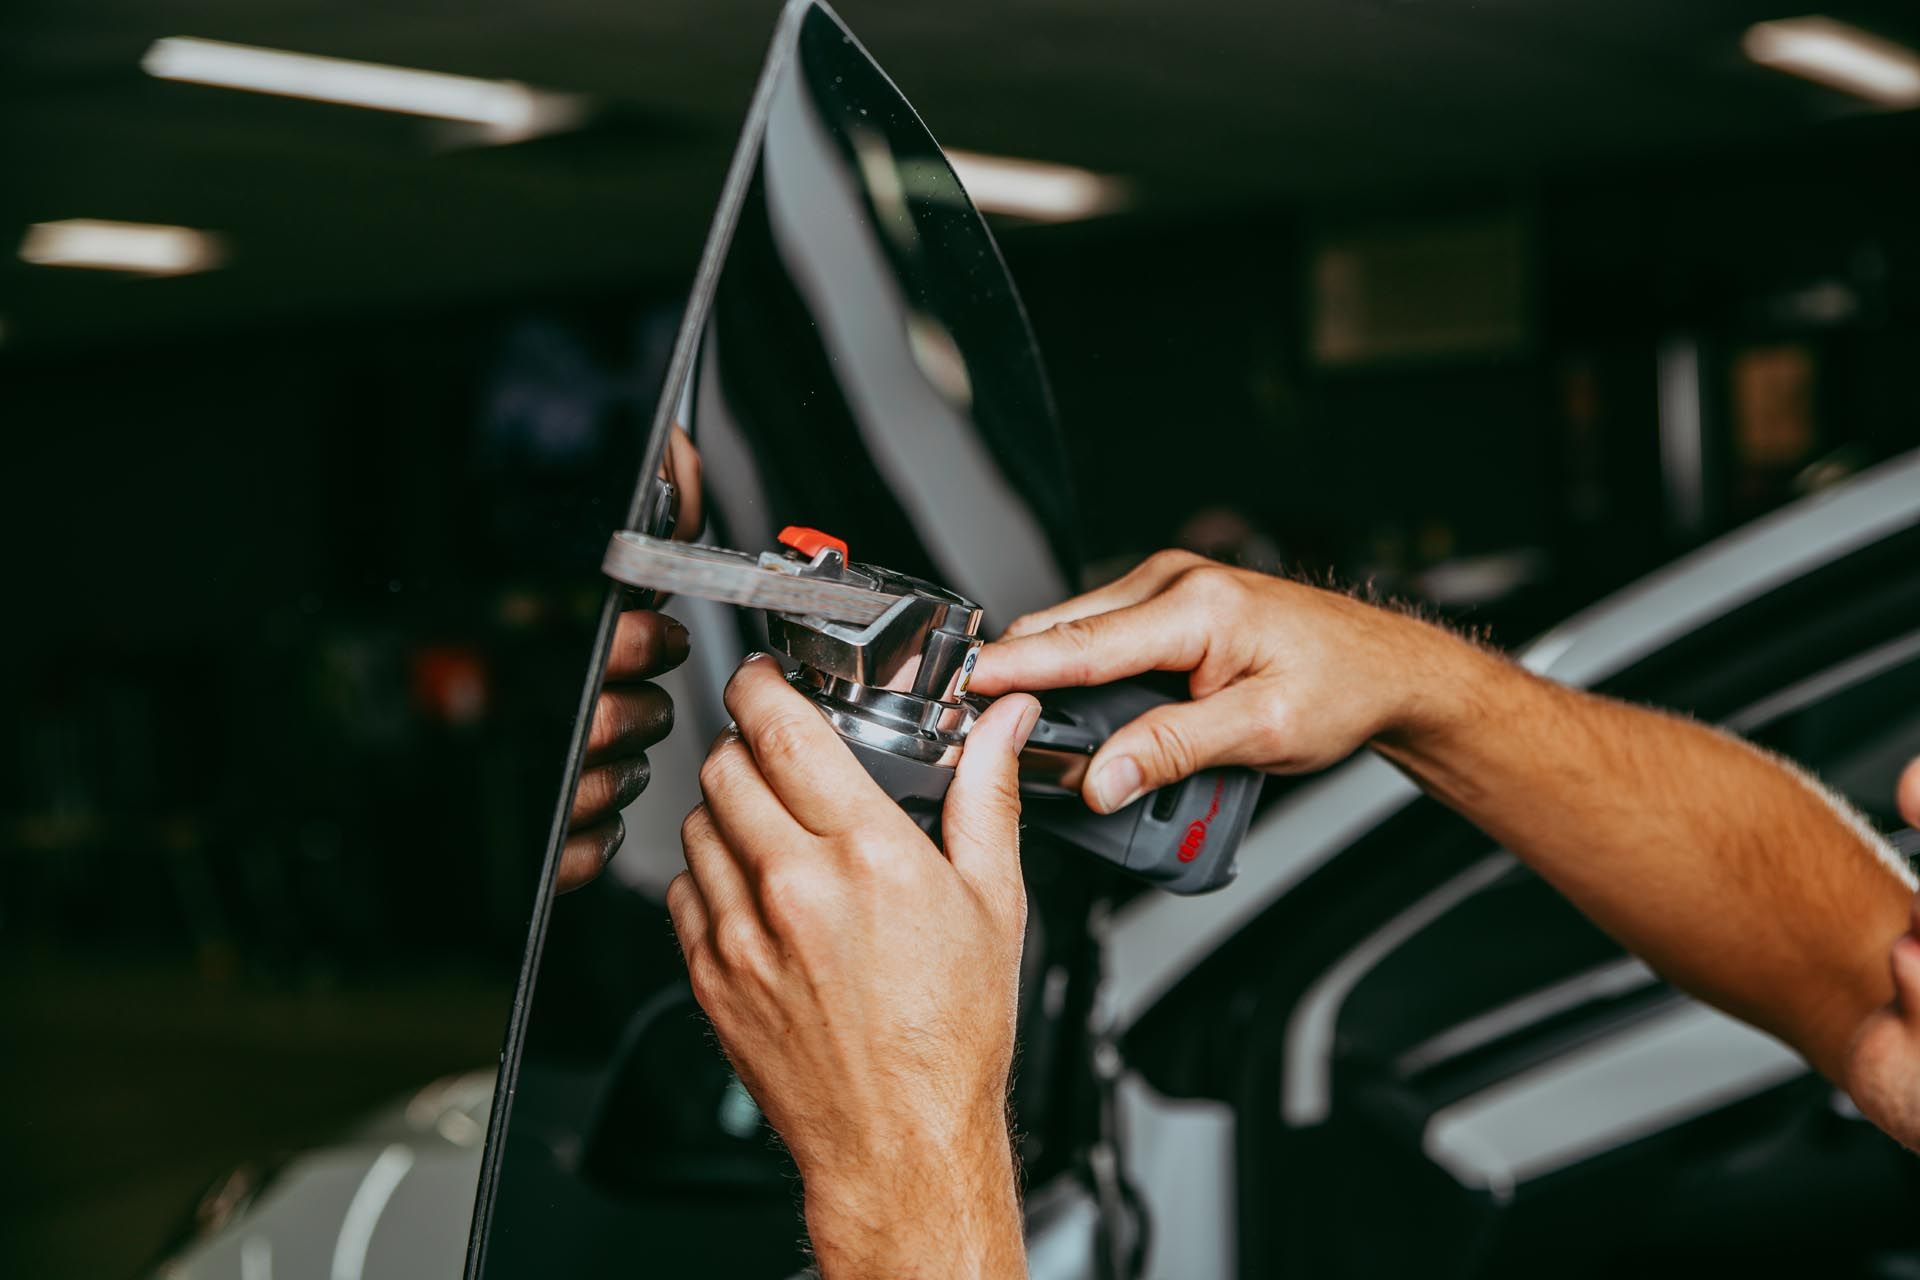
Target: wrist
[
  {"x": 1447, "y": 687},
  {"x": 935, "y": 1207}
]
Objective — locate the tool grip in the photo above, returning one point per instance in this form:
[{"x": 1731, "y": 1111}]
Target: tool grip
[{"x": 1184, "y": 837}]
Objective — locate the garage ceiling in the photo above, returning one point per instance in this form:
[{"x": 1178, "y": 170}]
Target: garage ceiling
[{"x": 1207, "y": 105}]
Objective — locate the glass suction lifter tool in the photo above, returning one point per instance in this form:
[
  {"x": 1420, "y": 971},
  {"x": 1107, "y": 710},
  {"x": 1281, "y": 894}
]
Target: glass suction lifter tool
[{"x": 887, "y": 658}]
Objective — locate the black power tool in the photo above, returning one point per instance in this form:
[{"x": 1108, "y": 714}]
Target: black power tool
[{"x": 887, "y": 658}]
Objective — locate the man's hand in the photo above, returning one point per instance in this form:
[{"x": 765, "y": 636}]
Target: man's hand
[
  {"x": 631, "y": 715},
  {"x": 1736, "y": 877},
  {"x": 863, "y": 984},
  {"x": 1285, "y": 677}
]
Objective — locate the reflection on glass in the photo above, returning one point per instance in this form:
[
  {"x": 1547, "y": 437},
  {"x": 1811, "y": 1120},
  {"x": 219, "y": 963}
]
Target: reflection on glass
[{"x": 856, "y": 360}]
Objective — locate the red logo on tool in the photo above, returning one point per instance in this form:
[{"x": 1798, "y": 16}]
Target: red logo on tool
[{"x": 1196, "y": 839}]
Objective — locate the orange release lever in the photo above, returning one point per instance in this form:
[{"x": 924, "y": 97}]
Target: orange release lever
[{"x": 811, "y": 542}]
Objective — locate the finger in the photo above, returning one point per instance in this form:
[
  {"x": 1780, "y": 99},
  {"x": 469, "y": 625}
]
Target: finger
[
  {"x": 744, "y": 809},
  {"x": 688, "y": 912},
  {"x": 645, "y": 643},
  {"x": 1167, "y": 744},
  {"x": 682, "y": 465},
  {"x": 1908, "y": 793},
  {"x": 1144, "y": 581},
  {"x": 1160, "y": 634},
  {"x": 628, "y": 719},
  {"x": 980, "y": 822},
  {"x": 608, "y": 789},
  {"x": 722, "y": 885},
  {"x": 809, "y": 768},
  {"x": 586, "y": 854}
]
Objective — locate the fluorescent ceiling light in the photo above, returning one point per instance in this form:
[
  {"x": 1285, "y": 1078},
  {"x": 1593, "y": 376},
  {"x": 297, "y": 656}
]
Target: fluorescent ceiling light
[
  {"x": 1839, "y": 56},
  {"x": 142, "y": 248},
  {"x": 504, "y": 110},
  {"x": 1036, "y": 191}
]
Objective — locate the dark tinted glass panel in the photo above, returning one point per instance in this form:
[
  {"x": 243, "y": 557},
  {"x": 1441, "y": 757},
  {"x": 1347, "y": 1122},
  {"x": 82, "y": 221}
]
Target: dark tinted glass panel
[{"x": 855, "y": 359}]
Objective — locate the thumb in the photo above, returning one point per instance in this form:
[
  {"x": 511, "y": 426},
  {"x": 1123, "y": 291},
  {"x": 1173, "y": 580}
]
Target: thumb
[
  {"x": 1162, "y": 746},
  {"x": 980, "y": 824}
]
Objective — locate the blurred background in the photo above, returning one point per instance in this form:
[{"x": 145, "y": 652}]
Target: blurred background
[{"x": 322, "y": 388}]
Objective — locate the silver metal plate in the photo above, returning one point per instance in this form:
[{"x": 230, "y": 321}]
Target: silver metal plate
[{"x": 736, "y": 577}]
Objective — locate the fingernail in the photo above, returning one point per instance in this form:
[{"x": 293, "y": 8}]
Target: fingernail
[
  {"x": 1117, "y": 785},
  {"x": 755, "y": 656},
  {"x": 1024, "y": 730},
  {"x": 634, "y": 776},
  {"x": 678, "y": 643}
]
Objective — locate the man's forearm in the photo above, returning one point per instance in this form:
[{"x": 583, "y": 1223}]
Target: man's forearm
[
  {"x": 939, "y": 1211},
  {"x": 1728, "y": 871}
]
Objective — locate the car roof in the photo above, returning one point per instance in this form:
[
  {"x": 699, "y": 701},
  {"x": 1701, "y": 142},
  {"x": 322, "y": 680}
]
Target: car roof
[{"x": 1157, "y": 939}]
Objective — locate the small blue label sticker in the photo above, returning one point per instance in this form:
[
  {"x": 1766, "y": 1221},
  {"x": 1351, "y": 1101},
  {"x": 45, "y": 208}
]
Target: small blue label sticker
[{"x": 966, "y": 671}]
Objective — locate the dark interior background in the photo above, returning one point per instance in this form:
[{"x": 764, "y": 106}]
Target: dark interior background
[{"x": 302, "y": 549}]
